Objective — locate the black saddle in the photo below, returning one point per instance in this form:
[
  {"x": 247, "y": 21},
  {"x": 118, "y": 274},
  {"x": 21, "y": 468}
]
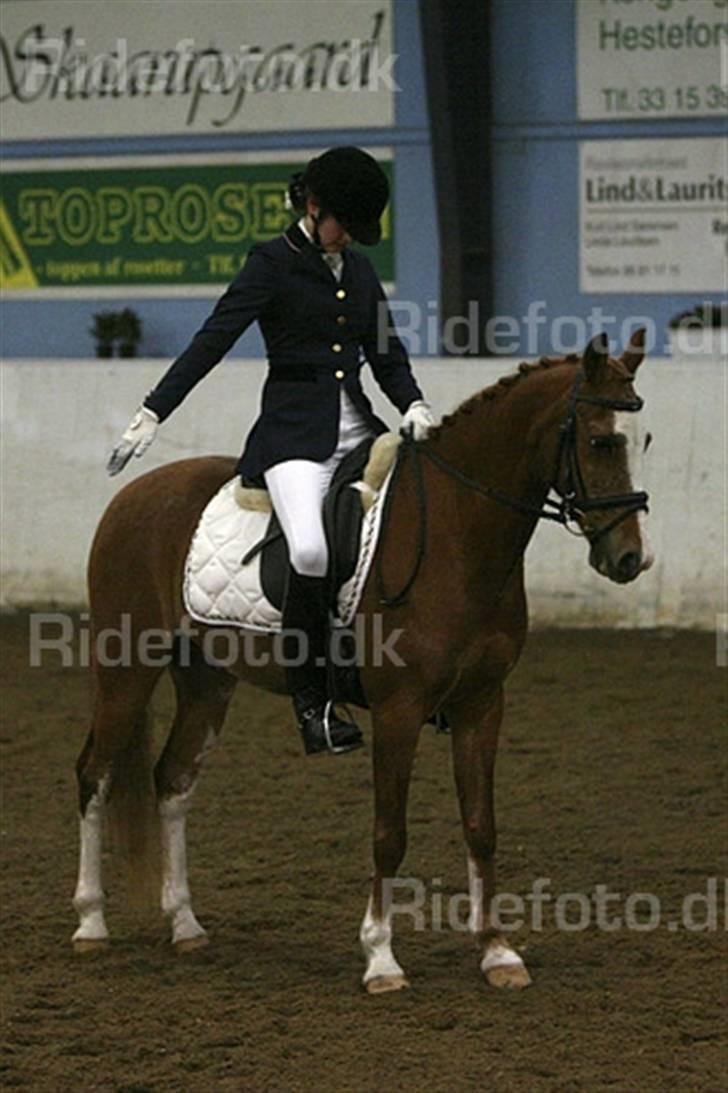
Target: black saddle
[{"x": 342, "y": 523}]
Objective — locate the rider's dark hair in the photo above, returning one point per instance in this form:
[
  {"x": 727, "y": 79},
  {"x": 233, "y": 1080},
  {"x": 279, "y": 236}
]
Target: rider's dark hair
[{"x": 298, "y": 193}]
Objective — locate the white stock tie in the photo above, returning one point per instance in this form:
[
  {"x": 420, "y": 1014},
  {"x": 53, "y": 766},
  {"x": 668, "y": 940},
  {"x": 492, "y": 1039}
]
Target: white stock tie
[{"x": 335, "y": 262}]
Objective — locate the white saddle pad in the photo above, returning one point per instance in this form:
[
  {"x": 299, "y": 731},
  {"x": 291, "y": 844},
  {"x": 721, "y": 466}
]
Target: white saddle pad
[{"x": 219, "y": 589}]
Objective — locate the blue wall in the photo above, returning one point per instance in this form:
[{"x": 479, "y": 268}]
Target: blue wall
[
  {"x": 535, "y": 152},
  {"x": 535, "y": 206},
  {"x": 59, "y": 328}
]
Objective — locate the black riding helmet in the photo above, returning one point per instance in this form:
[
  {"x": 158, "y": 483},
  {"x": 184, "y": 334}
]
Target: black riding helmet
[{"x": 348, "y": 184}]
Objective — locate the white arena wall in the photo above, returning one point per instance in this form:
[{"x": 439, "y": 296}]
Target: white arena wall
[{"x": 61, "y": 417}]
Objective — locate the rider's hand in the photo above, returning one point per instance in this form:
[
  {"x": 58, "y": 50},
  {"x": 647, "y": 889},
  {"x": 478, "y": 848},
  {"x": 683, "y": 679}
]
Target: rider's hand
[
  {"x": 139, "y": 434},
  {"x": 418, "y": 420}
]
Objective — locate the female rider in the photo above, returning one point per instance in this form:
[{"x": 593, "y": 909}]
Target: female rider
[{"x": 322, "y": 313}]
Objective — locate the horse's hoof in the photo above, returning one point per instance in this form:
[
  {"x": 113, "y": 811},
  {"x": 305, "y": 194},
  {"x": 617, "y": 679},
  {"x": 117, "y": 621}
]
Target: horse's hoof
[
  {"x": 509, "y": 976},
  {"x": 90, "y": 944},
  {"x": 190, "y": 944},
  {"x": 381, "y": 984}
]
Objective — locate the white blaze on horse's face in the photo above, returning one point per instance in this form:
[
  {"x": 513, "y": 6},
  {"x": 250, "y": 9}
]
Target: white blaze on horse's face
[
  {"x": 617, "y": 468},
  {"x": 638, "y": 451}
]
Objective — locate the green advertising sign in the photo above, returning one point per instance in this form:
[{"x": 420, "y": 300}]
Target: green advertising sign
[{"x": 134, "y": 227}]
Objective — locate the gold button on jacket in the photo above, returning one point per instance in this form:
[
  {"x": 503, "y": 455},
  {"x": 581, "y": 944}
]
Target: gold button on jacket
[
  {"x": 341, "y": 294},
  {"x": 337, "y": 347},
  {"x": 339, "y": 374}
]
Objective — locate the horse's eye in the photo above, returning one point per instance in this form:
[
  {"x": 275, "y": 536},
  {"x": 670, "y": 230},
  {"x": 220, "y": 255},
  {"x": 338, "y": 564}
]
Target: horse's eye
[
  {"x": 648, "y": 441},
  {"x": 608, "y": 441}
]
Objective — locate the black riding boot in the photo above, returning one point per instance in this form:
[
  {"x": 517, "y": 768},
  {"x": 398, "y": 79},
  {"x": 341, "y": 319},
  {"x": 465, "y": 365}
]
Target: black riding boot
[{"x": 304, "y": 645}]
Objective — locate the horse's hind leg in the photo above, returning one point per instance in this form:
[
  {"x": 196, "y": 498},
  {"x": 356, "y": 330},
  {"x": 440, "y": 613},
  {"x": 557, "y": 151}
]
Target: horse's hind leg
[
  {"x": 88, "y": 899},
  {"x": 118, "y": 725},
  {"x": 474, "y": 732},
  {"x": 203, "y": 695}
]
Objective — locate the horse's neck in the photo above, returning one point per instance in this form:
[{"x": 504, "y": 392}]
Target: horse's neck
[
  {"x": 495, "y": 443},
  {"x": 492, "y": 440}
]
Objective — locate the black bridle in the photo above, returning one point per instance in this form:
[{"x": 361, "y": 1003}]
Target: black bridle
[{"x": 573, "y": 503}]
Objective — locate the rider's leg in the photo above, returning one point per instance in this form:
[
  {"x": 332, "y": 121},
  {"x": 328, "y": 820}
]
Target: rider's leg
[{"x": 296, "y": 488}]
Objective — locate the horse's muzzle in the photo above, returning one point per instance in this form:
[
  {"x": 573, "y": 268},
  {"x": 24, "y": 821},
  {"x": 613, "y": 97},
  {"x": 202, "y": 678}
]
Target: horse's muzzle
[{"x": 620, "y": 566}]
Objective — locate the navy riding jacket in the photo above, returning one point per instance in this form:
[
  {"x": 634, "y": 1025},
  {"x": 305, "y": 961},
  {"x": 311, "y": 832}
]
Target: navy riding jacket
[{"x": 318, "y": 332}]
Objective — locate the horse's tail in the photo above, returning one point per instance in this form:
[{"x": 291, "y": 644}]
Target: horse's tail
[{"x": 133, "y": 819}]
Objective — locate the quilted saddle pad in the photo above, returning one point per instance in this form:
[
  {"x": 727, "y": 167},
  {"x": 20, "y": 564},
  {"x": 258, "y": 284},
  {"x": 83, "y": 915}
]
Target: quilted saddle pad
[{"x": 219, "y": 589}]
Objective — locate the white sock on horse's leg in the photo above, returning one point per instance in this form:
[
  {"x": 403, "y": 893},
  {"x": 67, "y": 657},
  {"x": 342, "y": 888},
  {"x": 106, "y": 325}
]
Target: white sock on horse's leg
[
  {"x": 383, "y": 972},
  {"x": 500, "y": 963},
  {"x": 476, "y": 919},
  {"x": 186, "y": 930},
  {"x": 88, "y": 899}
]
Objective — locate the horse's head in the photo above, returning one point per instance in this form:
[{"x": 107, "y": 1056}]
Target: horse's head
[{"x": 602, "y": 444}]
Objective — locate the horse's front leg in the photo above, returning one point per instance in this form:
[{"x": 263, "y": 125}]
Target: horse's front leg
[
  {"x": 395, "y": 740},
  {"x": 474, "y": 726}
]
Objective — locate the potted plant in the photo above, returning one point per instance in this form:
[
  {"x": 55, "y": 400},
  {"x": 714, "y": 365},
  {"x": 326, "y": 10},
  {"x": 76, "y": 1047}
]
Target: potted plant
[
  {"x": 129, "y": 332},
  {"x": 103, "y": 332},
  {"x": 702, "y": 330}
]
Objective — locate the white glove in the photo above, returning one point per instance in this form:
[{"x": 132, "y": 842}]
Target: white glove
[
  {"x": 139, "y": 434},
  {"x": 418, "y": 420}
]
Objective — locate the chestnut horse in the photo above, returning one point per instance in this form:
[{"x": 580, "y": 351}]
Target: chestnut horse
[{"x": 448, "y": 578}]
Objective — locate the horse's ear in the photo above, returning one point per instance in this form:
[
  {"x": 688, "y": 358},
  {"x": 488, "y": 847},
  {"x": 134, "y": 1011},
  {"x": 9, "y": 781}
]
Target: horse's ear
[
  {"x": 634, "y": 354},
  {"x": 595, "y": 357}
]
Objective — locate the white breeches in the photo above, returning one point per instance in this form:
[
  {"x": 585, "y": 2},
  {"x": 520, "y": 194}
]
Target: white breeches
[{"x": 297, "y": 488}]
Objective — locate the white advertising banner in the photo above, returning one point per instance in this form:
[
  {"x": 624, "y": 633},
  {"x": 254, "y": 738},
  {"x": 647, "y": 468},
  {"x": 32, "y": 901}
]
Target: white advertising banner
[
  {"x": 653, "y": 215},
  {"x": 71, "y": 68},
  {"x": 652, "y": 58}
]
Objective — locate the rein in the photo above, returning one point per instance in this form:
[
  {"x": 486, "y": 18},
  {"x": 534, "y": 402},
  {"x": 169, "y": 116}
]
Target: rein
[{"x": 572, "y": 503}]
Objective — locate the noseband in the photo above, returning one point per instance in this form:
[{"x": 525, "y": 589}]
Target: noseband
[{"x": 573, "y": 503}]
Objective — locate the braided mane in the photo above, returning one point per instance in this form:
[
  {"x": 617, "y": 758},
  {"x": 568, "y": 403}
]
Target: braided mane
[{"x": 498, "y": 389}]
